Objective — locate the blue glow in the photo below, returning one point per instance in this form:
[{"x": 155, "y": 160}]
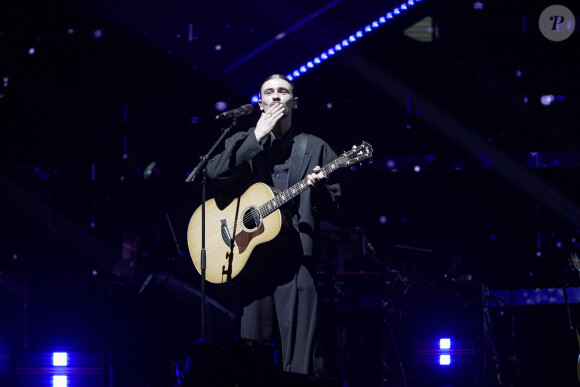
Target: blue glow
[
  {"x": 444, "y": 360},
  {"x": 351, "y": 39},
  {"x": 444, "y": 343},
  {"x": 60, "y": 359},
  {"x": 255, "y": 97},
  {"x": 59, "y": 380}
]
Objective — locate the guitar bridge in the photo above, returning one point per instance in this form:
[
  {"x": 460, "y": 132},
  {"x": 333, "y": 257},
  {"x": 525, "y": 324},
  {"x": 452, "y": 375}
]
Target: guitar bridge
[{"x": 226, "y": 236}]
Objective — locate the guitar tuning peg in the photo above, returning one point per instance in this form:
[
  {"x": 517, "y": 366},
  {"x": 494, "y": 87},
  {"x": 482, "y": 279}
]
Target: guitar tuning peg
[{"x": 354, "y": 147}]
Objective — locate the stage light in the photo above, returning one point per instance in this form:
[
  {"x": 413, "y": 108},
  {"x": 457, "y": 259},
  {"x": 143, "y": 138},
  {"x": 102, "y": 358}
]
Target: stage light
[
  {"x": 547, "y": 99},
  {"x": 350, "y": 39},
  {"x": 445, "y": 343},
  {"x": 445, "y": 360},
  {"x": 60, "y": 359},
  {"x": 59, "y": 380}
]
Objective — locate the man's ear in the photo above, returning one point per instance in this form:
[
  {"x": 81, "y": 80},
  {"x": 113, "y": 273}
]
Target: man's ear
[
  {"x": 295, "y": 105},
  {"x": 260, "y": 105}
]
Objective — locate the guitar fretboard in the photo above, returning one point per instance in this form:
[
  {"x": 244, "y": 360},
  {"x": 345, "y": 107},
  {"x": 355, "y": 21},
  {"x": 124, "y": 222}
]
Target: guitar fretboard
[{"x": 287, "y": 195}]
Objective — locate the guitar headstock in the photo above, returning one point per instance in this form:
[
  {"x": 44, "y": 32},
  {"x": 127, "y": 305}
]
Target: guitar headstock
[{"x": 356, "y": 155}]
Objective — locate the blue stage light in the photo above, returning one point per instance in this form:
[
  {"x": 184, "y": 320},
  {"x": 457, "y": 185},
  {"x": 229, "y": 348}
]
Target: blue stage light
[
  {"x": 445, "y": 343},
  {"x": 59, "y": 381},
  {"x": 60, "y": 359},
  {"x": 445, "y": 360},
  {"x": 351, "y": 39}
]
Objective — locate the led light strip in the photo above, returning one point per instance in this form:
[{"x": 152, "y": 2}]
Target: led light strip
[
  {"x": 348, "y": 41},
  {"x": 352, "y": 39}
]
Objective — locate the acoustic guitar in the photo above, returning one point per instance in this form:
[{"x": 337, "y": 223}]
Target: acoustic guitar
[{"x": 235, "y": 228}]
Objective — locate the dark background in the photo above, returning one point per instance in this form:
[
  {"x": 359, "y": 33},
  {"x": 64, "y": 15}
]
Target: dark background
[{"x": 114, "y": 86}]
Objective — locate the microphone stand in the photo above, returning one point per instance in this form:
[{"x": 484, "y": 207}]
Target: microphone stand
[{"x": 190, "y": 178}]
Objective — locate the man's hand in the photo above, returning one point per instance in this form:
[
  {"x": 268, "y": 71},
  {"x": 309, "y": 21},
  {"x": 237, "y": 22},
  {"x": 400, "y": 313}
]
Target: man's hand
[
  {"x": 268, "y": 120},
  {"x": 314, "y": 178}
]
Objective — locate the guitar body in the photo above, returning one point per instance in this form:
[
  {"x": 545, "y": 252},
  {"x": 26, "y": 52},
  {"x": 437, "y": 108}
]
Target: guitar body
[{"x": 233, "y": 228}]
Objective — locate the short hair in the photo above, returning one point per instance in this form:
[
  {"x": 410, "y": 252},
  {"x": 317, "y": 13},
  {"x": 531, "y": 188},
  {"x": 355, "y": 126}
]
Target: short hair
[{"x": 278, "y": 76}]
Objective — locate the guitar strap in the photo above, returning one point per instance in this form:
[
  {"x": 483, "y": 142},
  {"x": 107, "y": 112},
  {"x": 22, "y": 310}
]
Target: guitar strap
[{"x": 297, "y": 158}]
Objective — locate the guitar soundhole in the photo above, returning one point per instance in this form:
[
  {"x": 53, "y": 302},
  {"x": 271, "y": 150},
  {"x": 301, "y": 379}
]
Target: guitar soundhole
[{"x": 251, "y": 219}]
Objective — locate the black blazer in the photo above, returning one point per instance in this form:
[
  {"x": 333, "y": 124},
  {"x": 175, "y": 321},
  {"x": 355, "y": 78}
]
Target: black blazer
[{"x": 235, "y": 169}]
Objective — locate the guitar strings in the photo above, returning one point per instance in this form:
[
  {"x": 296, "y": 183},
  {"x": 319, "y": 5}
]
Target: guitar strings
[{"x": 327, "y": 169}]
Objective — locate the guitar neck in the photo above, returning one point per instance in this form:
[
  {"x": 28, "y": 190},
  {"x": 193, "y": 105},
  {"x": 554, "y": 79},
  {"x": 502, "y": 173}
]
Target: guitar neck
[{"x": 289, "y": 194}]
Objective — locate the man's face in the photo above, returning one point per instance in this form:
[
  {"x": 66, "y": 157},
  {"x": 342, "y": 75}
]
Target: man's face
[{"x": 276, "y": 91}]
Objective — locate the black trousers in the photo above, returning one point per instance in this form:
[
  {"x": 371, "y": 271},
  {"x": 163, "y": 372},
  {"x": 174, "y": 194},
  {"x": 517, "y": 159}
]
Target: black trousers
[{"x": 293, "y": 306}]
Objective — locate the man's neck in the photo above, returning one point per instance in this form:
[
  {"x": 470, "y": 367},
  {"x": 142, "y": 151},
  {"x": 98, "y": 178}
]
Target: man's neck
[{"x": 280, "y": 130}]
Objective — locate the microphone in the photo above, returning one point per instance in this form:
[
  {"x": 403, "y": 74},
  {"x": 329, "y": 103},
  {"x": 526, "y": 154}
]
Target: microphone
[{"x": 235, "y": 113}]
